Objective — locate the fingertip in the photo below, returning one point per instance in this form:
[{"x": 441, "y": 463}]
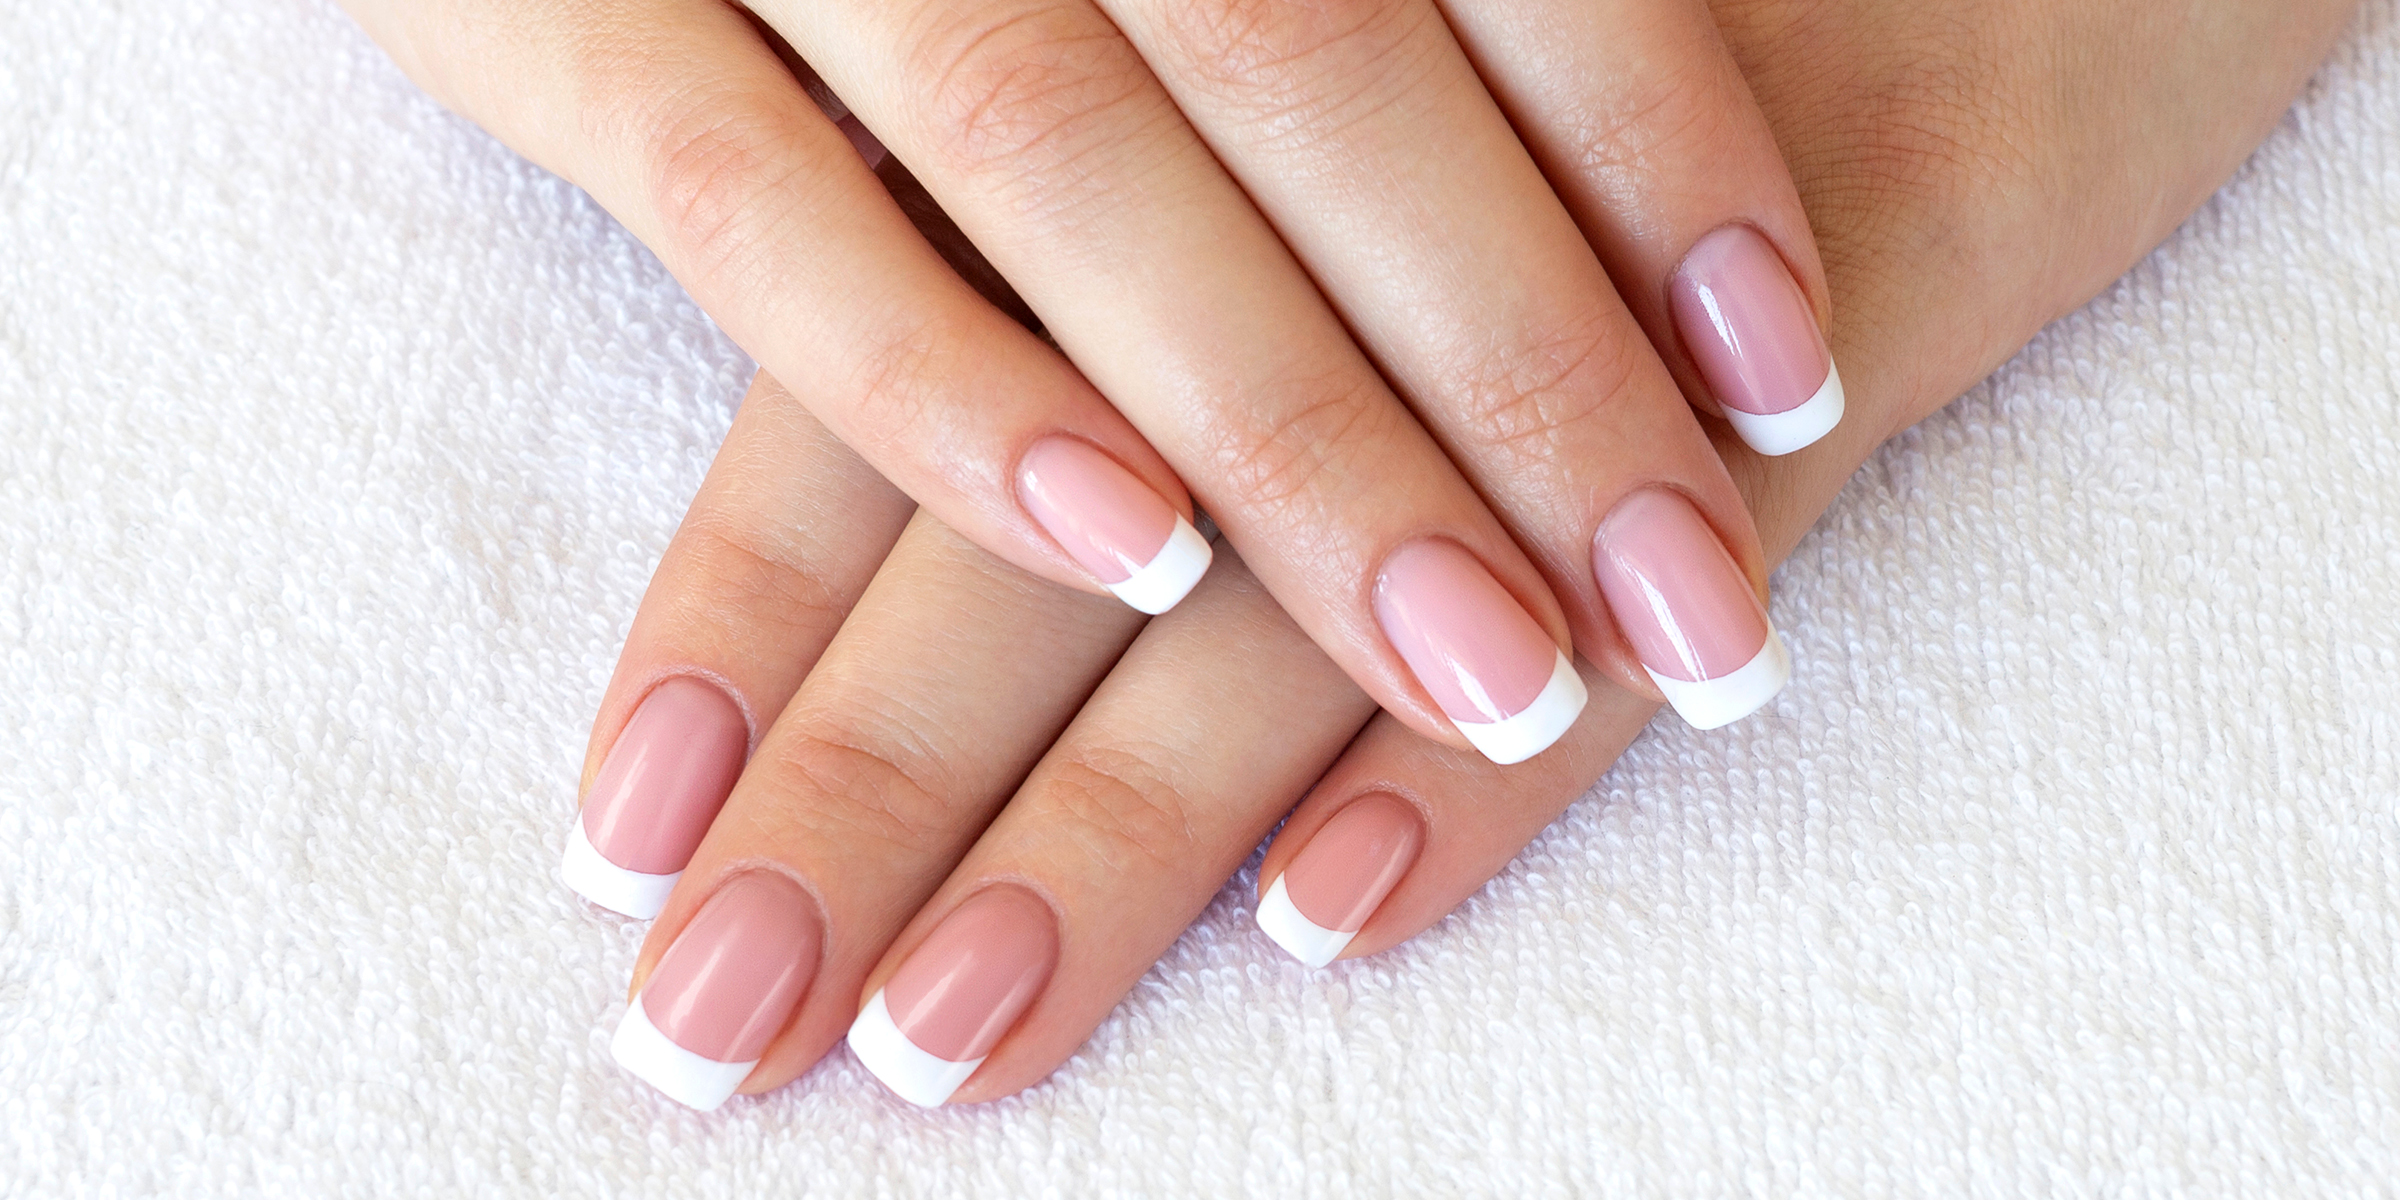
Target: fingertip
[{"x": 1794, "y": 429}]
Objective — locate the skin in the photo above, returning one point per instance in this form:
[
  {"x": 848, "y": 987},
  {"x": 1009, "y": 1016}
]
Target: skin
[
  {"x": 1932, "y": 142},
  {"x": 1327, "y": 287}
]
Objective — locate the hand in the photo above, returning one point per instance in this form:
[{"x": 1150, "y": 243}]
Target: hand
[
  {"x": 1203, "y": 204},
  {"x": 873, "y": 783}
]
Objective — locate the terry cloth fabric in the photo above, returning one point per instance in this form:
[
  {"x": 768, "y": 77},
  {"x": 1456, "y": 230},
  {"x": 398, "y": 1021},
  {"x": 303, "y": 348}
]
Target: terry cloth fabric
[{"x": 337, "y": 444}]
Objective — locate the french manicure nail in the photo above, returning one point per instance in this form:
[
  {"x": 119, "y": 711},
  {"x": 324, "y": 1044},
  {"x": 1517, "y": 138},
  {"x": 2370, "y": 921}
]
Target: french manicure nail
[
  {"x": 1325, "y": 896},
  {"x": 1688, "y": 609},
  {"x": 1750, "y": 329},
  {"x": 656, "y": 794},
  {"x": 1498, "y": 676},
  {"x": 1111, "y": 522},
  {"x": 722, "y": 991},
  {"x": 934, "y": 1021}
]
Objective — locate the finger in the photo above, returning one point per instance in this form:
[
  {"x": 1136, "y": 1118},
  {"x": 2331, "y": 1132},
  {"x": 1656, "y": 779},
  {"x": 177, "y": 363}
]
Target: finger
[
  {"x": 1363, "y": 130},
  {"x": 1041, "y": 130},
  {"x": 953, "y": 673},
  {"x": 678, "y": 116},
  {"x": 1646, "y": 128},
  {"x": 1120, "y": 837},
  {"x": 785, "y": 532},
  {"x": 1399, "y": 832}
]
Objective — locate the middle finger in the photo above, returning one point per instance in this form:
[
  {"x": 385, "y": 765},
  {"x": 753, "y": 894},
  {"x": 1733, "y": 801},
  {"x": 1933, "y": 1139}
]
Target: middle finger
[{"x": 1043, "y": 132}]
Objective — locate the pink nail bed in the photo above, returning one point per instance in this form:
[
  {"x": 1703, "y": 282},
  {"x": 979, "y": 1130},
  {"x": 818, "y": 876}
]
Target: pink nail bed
[
  {"x": 933, "y": 1022},
  {"x": 1688, "y": 610},
  {"x": 1750, "y": 329},
  {"x": 1493, "y": 670},
  {"x": 723, "y": 990},
  {"x": 1354, "y": 860},
  {"x": 656, "y": 794},
  {"x": 1111, "y": 523}
]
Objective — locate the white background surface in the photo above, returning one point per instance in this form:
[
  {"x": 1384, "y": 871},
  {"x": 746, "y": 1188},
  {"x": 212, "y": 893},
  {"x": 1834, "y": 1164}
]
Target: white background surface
[{"x": 336, "y": 445}]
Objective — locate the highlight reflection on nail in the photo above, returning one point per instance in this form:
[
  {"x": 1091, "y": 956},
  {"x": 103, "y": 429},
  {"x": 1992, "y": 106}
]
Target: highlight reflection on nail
[
  {"x": 1496, "y": 674},
  {"x": 1751, "y": 332},
  {"x": 1108, "y": 520},
  {"x": 1687, "y": 608}
]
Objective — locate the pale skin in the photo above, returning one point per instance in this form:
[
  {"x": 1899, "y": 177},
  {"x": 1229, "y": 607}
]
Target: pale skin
[
  {"x": 2036, "y": 150},
  {"x": 1295, "y": 254}
]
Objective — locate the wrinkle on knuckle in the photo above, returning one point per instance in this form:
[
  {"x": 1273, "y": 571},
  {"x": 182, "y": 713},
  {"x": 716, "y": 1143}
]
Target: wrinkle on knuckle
[
  {"x": 757, "y": 577},
  {"x": 1118, "y": 804},
  {"x": 860, "y": 794},
  {"x": 721, "y": 176},
  {"x": 1028, "y": 94},
  {"x": 902, "y": 374},
  {"x": 1662, "y": 119},
  {"x": 1271, "y": 468},
  {"x": 1291, "y": 63},
  {"x": 1531, "y": 397}
]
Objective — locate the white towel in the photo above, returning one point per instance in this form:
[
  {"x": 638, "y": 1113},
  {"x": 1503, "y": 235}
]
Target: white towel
[{"x": 337, "y": 444}]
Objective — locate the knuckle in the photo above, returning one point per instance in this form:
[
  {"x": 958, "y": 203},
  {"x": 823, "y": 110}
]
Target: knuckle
[
  {"x": 712, "y": 156},
  {"x": 1298, "y": 58},
  {"x": 850, "y": 789},
  {"x": 900, "y": 375},
  {"x": 1118, "y": 806},
  {"x": 721, "y": 180},
  {"x": 1027, "y": 92},
  {"x": 1533, "y": 396},
  {"x": 1271, "y": 466},
  {"x": 754, "y": 578},
  {"x": 1654, "y": 119}
]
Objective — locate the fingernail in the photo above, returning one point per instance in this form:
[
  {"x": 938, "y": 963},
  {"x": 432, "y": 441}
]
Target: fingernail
[
  {"x": 1111, "y": 522},
  {"x": 1750, "y": 329},
  {"x": 659, "y": 789},
  {"x": 1325, "y": 896},
  {"x": 722, "y": 991},
  {"x": 927, "y": 1029},
  {"x": 1688, "y": 609},
  {"x": 1493, "y": 670}
]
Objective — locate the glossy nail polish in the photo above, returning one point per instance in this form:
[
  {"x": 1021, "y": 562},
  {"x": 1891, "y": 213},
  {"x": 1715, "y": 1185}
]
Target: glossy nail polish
[
  {"x": 1108, "y": 520},
  {"x": 1354, "y": 860},
  {"x": 1749, "y": 327},
  {"x": 934, "y": 1021},
  {"x": 1496, "y": 674},
  {"x": 656, "y": 794},
  {"x": 1688, "y": 609},
  {"x": 723, "y": 990}
]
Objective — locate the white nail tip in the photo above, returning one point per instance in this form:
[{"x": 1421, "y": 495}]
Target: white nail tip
[
  {"x": 608, "y": 885},
  {"x": 1711, "y": 703},
  {"x": 1781, "y": 433},
  {"x": 1547, "y": 719},
  {"x": 1171, "y": 574},
  {"x": 685, "y": 1077},
  {"x": 1306, "y": 940},
  {"x": 913, "y": 1074}
]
